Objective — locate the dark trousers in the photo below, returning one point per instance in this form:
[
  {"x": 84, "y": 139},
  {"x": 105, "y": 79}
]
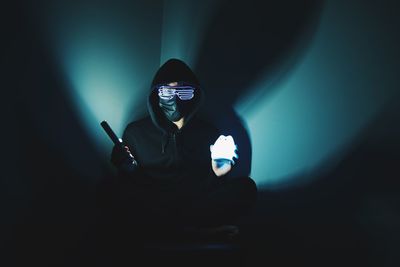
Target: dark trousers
[
  {"x": 142, "y": 210},
  {"x": 226, "y": 201}
]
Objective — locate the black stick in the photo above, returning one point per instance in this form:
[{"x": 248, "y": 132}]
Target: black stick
[{"x": 110, "y": 133}]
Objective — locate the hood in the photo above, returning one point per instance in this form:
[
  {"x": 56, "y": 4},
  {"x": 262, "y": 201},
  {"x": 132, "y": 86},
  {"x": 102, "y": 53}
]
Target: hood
[{"x": 174, "y": 70}]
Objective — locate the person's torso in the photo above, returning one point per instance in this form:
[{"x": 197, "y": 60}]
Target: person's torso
[{"x": 174, "y": 156}]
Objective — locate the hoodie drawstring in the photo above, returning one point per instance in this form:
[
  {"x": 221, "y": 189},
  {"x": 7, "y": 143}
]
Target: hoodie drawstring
[{"x": 164, "y": 142}]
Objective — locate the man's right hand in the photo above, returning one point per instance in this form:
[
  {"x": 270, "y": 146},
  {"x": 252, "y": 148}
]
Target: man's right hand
[{"x": 121, "y": 155}]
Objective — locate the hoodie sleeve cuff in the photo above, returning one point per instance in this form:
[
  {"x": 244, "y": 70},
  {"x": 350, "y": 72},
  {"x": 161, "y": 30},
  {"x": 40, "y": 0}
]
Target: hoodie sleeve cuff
[{"x": 128, "y": 169}]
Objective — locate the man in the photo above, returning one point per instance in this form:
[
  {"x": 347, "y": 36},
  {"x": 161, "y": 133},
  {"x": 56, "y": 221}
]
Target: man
[{"x": 166, "y": 174}]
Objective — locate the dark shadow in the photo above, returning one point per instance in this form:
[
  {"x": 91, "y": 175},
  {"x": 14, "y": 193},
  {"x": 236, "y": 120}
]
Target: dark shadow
[
  {"x": 246, "y": 42},
  {"x": 50, "y": 202}
]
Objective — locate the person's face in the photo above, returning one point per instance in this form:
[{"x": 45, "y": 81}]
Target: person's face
[{"x": 175, "y": 101}]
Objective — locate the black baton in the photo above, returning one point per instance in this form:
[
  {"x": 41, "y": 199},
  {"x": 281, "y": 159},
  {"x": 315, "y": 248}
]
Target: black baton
[{"x": 111, "y": 133}]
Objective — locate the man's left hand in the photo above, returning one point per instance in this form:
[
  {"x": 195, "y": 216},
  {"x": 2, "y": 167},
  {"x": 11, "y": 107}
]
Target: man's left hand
[{"x": 221, "y": 167}]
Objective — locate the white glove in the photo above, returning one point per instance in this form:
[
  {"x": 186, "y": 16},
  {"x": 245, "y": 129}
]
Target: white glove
[{"x": 224, "y": 148}]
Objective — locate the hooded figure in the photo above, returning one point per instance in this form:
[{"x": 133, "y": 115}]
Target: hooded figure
[
  {"x": 165, "y": 154},
  {"x": 171, "y": 178}
]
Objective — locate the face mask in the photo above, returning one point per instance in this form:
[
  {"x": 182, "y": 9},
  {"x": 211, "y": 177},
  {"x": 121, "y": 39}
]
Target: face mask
[{"x": 171, "y": 109}]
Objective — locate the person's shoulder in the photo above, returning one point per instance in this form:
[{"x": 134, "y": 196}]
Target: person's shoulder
[
  {"x": 139, "y": 124},
  {"x": 203, "y": 123},
  {"x": 202, "y": 120}
]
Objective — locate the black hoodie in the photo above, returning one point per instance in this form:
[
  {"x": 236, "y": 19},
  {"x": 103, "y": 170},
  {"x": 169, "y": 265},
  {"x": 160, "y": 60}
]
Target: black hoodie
[{"x": 168, "y": 156}]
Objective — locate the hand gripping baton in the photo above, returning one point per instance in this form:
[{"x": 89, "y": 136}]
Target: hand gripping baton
[{"x": 118, "y": 142}]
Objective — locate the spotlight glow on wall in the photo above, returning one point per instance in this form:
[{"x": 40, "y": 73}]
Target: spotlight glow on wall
[
  {"x": 108, "y": 58},
  {"x": 318, "y": 111}
]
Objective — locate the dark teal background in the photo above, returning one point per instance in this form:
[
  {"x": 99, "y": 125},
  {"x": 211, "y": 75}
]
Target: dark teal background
[{"x": 309, "y": 90}]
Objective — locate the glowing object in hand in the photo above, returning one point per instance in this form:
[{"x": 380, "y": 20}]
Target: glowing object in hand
[{"x": 224, "y": 149}]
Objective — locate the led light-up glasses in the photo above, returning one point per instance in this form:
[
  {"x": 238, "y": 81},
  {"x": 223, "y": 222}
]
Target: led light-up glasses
[{"x": 184, "y": 92}]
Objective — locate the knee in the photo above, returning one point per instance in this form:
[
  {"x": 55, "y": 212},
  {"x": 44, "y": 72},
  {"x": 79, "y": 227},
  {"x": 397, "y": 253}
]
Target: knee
[{"x": 247, "y": 186}]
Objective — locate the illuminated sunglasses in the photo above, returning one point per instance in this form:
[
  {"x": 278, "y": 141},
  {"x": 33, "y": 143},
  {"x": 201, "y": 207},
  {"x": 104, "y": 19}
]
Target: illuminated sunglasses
[{"x": 184, "y": 92}]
